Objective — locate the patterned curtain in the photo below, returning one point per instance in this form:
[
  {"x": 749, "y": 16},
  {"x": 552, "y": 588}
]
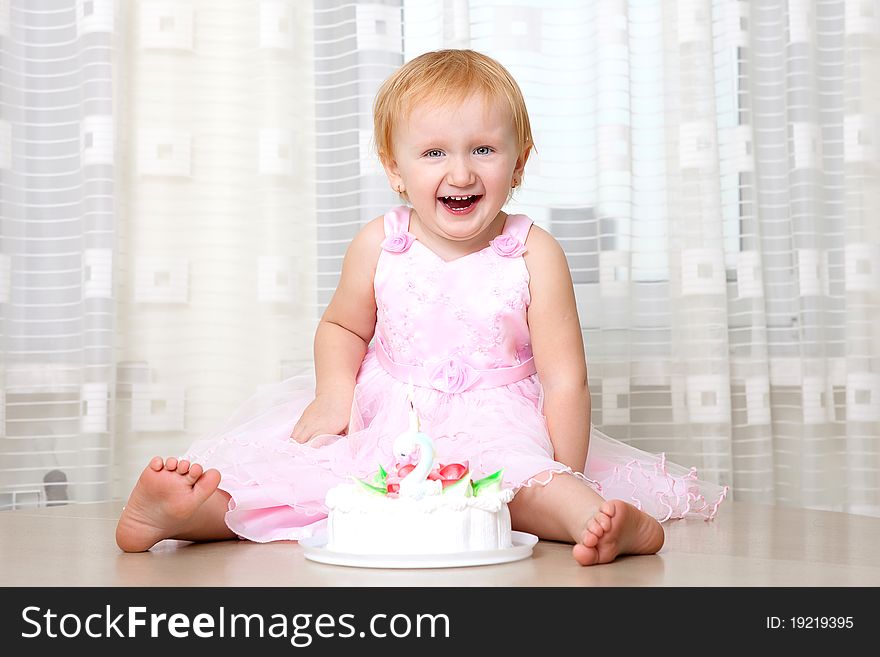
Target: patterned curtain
[
  {"x": 180, "y": 179},
  {"x": 57, "y": 251}
]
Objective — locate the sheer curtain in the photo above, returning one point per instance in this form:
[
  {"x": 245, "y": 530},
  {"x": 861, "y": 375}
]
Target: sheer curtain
[
  {"x": 57, "y": 227},
  {"x": 180, "y": 181},
  {"x": 158, "y": 229},
  {"x": 216, "y": 266}
]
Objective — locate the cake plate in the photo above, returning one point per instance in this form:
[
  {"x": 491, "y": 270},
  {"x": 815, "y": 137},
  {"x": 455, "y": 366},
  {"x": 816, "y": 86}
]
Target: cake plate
[{"x": 315, "y": 550}]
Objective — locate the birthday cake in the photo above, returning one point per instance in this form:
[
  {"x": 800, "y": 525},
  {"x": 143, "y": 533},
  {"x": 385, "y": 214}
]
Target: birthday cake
[{"x": 419, "y": 508}]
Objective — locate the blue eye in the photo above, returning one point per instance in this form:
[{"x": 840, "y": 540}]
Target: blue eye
[
  {"x": 434, "y": 152},
  {"x": 482, "y": 150}
]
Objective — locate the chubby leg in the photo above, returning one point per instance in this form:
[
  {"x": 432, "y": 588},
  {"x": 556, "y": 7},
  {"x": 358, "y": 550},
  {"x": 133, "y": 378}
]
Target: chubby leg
[
  {"x": 173, "y": 499},
  {"x": 568, "y": 510}
]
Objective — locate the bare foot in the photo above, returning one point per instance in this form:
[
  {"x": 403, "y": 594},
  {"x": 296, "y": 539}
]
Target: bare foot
[
  {"x": 617, "y": 528},
  {"x": 167, "y": 494}
]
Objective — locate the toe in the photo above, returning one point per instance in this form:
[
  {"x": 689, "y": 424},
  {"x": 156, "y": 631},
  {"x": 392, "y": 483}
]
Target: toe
[
  {"x": 585, "y": 556},
  {"x": 183, "y": 466},
  {"x": 589, "y": 540},
  {"x": 207, "y": 483},
  {"x": 156, "y": 463},
  {"x": 595, "y": 528},
  {"x": 193, "y": 474},
  {"x": 604, "y": 521},
  {"x": 171, "y": 463}
]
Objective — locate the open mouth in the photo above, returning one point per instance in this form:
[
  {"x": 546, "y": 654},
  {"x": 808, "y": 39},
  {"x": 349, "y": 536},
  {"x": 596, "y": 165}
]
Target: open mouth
[{"x": 460, "y": 204}]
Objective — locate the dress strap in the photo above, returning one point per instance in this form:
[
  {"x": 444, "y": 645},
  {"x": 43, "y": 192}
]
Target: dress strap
[
  {"x": 397, "y": 220},
  {"x": 518, "y": 226}
]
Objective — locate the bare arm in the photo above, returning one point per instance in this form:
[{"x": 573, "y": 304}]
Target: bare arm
[
  {"x": 558, "y": 347},
  {"x": 342, "y": 336}
]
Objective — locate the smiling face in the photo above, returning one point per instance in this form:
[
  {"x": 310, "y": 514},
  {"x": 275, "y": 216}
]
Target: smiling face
[{"x": 457, "y": 164}]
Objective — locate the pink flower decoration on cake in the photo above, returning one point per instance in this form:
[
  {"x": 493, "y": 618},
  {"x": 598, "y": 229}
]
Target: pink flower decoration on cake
[
  {"x": 508, "y": 246},
  {"x": 448, "y": 474},
  {"x": 399, "y": 242},
  {"x": 445, "y": 474},
  {"x": 453, "y": 375}
]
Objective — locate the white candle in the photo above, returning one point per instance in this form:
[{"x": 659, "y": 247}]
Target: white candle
[{"x": 414, "y": 423}]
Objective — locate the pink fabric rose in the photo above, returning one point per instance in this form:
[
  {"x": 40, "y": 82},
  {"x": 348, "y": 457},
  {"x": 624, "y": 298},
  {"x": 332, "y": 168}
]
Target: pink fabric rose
[
  {"x": 508, "y": 246},
  {"x": 399, "y": 242},
  {"x": 453, "y": 375}
]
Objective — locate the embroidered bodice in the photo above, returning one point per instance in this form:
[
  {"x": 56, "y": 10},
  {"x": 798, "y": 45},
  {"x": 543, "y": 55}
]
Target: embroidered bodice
[{"x": 455, "y": 324}]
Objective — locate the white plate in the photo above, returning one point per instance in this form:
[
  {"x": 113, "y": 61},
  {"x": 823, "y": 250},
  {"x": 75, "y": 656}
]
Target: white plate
[{"x": 314, "y": 549}]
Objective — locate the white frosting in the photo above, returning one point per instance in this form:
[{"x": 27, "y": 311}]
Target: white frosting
[
  {"x": 420, "y": 519},
  {"x": 362, "y": 522}
]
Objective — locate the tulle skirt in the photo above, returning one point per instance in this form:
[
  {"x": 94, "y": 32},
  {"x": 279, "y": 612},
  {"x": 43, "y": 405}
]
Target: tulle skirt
[{"x": 277, "y": 486}]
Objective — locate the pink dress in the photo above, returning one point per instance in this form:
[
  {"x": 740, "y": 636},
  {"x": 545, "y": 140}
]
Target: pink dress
[{"x": 457, "y": 329}]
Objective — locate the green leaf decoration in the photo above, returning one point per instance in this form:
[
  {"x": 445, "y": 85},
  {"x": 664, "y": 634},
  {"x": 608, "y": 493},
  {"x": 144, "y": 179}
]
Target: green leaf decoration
[
  {"x": 380, "y": 477},
  {"x": 378, "y": 490},
  {"x": 490, "y": 484},
  {"x": 464, "y": 487}
]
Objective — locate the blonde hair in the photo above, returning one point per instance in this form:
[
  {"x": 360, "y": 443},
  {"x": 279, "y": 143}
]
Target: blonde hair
[{"x": 440, "y": 77}]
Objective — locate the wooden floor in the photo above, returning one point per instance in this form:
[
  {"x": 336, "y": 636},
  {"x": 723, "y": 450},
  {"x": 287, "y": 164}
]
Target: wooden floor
[{"x": 746, "y": 545}]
